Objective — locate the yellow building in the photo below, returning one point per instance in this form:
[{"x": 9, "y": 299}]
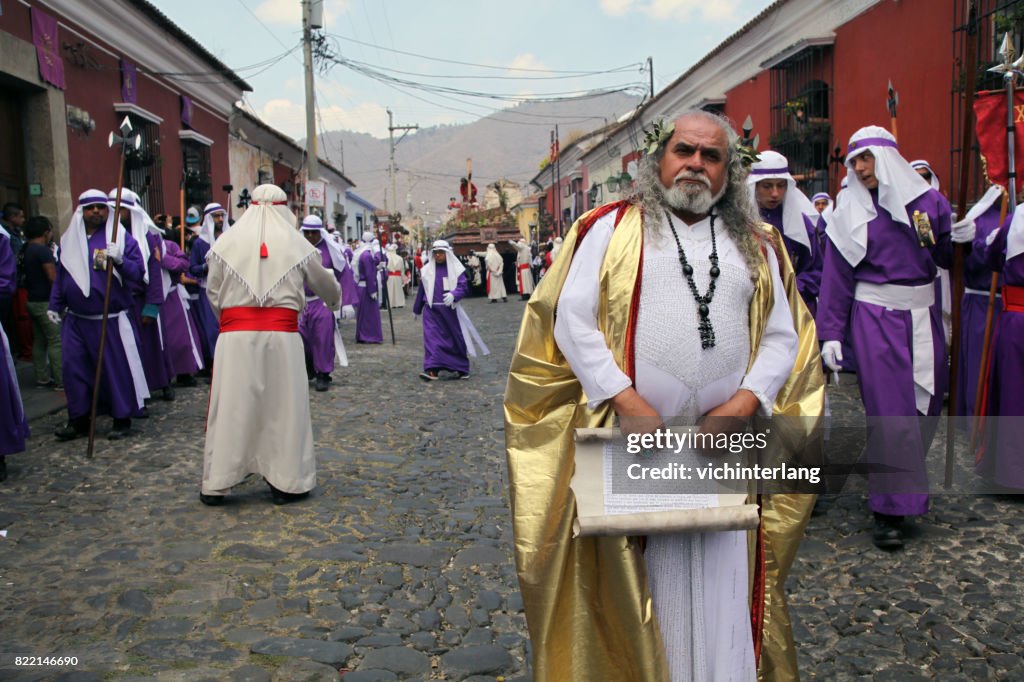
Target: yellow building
[{"x": 527, "y": 216}]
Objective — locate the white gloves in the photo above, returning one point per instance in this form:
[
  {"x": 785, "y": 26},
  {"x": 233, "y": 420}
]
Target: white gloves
[
  {"x": 415, "y": 317},
  {"x": 53, "y": 316},
  {"x": 963, "y": 231},
  {"x": 449, "y": 299},
  {"x": 832, "y": 354},
  {"x": 381, "y": 265},
  {"x": 373, "y": 296},
  {"x": 348, "y": 312},
  {"x": 115, "y": 252}
]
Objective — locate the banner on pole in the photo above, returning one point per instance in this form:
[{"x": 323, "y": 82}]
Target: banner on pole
[{"x": 990, "y": 117}]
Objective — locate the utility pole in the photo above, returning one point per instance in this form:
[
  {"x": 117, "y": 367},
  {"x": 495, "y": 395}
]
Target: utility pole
[
  {"x": 391, "y": 163},
  {"x": 650, "y": 73},
  {"x": 312, "y": 18},
  {"x": 558, "y": 181}
]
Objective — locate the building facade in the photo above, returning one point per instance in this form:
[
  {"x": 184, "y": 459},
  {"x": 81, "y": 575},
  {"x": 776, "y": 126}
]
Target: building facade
[{"x": 72, "y": 71}]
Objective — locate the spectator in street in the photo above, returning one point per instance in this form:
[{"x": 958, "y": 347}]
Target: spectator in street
[{"x": 40, "y": 271}]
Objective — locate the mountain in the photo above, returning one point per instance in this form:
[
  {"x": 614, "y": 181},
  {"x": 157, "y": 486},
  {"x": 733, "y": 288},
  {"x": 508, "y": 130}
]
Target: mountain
[{"x": 430, "y": 161}]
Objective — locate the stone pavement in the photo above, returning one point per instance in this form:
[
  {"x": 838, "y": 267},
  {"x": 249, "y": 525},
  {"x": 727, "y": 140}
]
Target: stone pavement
[{"x": 400, "y": 565}]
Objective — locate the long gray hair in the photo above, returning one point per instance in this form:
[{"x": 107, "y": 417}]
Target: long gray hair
[{"x": 735, "y": 210}]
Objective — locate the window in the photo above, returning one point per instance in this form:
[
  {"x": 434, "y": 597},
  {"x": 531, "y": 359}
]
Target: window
[
  {"x": 196, "y": 162},
  {"x": 801, "y": 123},
  {"x": 142, "y": 166}
]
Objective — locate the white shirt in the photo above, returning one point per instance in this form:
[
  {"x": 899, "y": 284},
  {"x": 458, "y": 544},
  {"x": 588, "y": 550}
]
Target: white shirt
[{"x": 681, "y": 379}]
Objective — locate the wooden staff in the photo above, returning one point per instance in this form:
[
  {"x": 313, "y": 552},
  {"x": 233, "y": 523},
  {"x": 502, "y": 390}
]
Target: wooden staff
[
  {"x": 957, "y": 292},
  {"x": 384, "y": 293},
  {"x": 181, "y": 206},
  {"x": 124, "y": 139}
]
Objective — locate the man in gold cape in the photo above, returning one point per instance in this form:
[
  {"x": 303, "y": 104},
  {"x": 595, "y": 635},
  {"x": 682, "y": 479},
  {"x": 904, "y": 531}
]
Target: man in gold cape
[{"x": 588, "y": 606}]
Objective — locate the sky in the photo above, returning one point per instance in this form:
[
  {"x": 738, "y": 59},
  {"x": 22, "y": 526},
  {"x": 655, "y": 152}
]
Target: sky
[{"x": 507, "y": 50}]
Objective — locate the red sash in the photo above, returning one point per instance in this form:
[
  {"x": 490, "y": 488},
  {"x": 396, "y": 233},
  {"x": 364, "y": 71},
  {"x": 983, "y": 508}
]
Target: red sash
[
  {"x": 395, "y": 273},
  {"x": 1013, "y": 298},
  {"x": 252, "y": 319}
]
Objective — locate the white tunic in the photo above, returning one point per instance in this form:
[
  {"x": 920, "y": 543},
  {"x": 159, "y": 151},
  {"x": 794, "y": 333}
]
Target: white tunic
[
  {"x": 396, "y": 294},
  {"x": 698, "y": 581},
  {"x": 524, "y": 275},
  {"x": 259, "y": 420}
]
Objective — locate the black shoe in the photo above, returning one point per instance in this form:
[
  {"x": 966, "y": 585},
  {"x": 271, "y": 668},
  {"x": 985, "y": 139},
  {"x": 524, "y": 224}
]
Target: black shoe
[
  {"x": 143, "y": 414},
  {"x": 461, "y": 375},
  {"x": 493, "y": 300},
  {"x": 167, "y": 394},
  {"x": 888, "y": 532},
  {"x": 186, "y": 381},
  {"x": 321, "y": 382},
  {"x": 211, "y": 500},
  {"x": 3, "y": 468},
  {"x": 281, "y": 497},
  {"x": 121, "y": 429},
  {"x": 71, "y": 431},
  {"x": 429, "y": 376}
]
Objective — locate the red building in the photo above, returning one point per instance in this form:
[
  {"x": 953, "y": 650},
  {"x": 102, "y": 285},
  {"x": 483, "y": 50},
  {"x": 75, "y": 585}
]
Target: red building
[
  {"x": 810, "y": 73},
  {"x": 71, "y": 71}
]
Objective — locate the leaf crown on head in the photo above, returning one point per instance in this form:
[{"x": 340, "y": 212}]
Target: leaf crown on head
[{"x": 661, "y": 132}]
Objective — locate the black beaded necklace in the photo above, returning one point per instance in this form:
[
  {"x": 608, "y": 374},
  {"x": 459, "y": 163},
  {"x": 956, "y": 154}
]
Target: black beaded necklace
[{"x": 707, "y": 332}]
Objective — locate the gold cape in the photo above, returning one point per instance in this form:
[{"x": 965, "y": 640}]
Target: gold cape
[{"x": 588, "y": 608}]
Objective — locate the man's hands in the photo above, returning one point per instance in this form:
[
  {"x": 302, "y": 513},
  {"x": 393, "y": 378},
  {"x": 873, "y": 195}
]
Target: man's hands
[
  {"x": 449, "y": 299},
  {"x": 733, "y": 415},
  {"x": 53, "y": 316},
  {"x": 115, "y": 252},
  {"x": 635, "y": 414},
  {"x": 832, "y": 355}
]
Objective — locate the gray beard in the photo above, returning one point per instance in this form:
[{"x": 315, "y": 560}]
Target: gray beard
[{"x": 692, "y": 199}]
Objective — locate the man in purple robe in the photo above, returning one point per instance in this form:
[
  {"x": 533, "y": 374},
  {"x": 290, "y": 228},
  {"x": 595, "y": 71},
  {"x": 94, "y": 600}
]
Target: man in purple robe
[
  {"x": 784, "y": 206},
  {"x": 213, "y": 224},
  {"x": 974, "y": 306},
  {"x": 1000, "y": 460},
  {"x": 366, "y": 264},
  {"x": 148, "y": 295},
  {"x": 181, "y": 335},
  {"x": 889, "y": 232},
  {"x": 13, "y": 424},
  {"x": 317, "y": 324},
  {"x": 78, "y": 291},
  {"x": 449, "y": 337}
]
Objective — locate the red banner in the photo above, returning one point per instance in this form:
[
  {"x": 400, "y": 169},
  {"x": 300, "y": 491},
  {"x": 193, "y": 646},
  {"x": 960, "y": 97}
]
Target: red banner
[{"x": 990, "y": 119}]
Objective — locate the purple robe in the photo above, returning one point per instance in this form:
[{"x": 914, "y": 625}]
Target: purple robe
[
  {"x": 973, "y": 309},
  {"x": 349, "y": 294},
  {"x": 368, "y": 327},
  {"x": 881, "y": 337},
  {"x": 209, "y": 325},
  {"x": 807, "y": 262},
  {"x": 149, "y": 300},
  {"x": 80, "y": 335},
  {"x": 13, "y": 423},
  {"x": 1001, "y": 461},
  {"x": 444, "y": 346},
  {"x": 316, "y": 322},
  {"x": 181, "y": 335}
]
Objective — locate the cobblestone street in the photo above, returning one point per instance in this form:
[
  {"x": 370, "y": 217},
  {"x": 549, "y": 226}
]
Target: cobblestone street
[{"x": 400, "y": 565}]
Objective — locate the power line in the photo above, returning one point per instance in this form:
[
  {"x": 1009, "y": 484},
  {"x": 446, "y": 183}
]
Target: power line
[
  {"x": 455, "y": 61},
  {"x": 620, "y": 69}
]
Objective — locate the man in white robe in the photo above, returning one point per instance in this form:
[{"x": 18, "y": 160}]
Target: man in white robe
[
  {"x": 693, "y": 205},
  {"x": 524, "y": 275},
  {"x": 397, "y": 273},
  {"x": 259, "y": 418},
  {"x": 495, "y": 275}
]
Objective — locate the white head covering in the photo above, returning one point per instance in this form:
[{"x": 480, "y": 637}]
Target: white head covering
[
  {"x": 898, "y": 185},
  {"x": 556, "y": 248},
  {"x": 451, "y": 279},
  {"x": 921, "y": 163},
  {"x": 241, "y": 249},
  {"x": 313, "y": 223},
  {"x": 139, "y": 219},
  {"x": 774, "y": 166},
  {"x": 826, "y": 214},
  {"x": 367, "y": 236},
  {"x": 492, "y": 257},
  {"x": 206, "y": 230},
  {"x": 1015, "y": 238},
  {"x": 74, "y": 243}
]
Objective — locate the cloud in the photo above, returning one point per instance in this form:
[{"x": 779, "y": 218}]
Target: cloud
[
  {"x": 290, "y": 118},
  {"x": 290, "y": 11},
  {"x": 674, "y": 10},
  {"x": 527, "y": 61}
]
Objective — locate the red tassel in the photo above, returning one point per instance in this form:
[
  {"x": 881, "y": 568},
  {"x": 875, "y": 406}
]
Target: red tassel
[{"x": 263, "y": 250}]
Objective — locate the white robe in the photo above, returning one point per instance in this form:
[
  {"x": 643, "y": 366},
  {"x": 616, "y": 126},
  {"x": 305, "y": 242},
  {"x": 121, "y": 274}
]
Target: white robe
[
  {"x": 524, "y": 275},
  {"x": 260, "y": 423},
  {"x": 698, "y": 581},
  {"x": 495, "y": 278},
  {"x": 396, "y": 294}
]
